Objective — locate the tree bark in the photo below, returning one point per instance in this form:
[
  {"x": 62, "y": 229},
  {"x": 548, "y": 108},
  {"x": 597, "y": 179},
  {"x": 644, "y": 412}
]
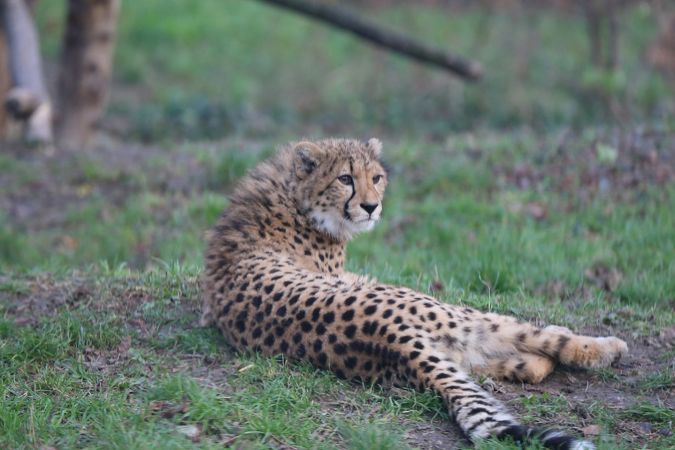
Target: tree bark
[
  {"x": 5, "y": 83},
  {"x": 399, "y": 43},
  {"x": 594, "y": 23},
  {"x": 28, "y": 98},
  {"x": 86, "y": 66},
  {"x": 612, "y": 59}
]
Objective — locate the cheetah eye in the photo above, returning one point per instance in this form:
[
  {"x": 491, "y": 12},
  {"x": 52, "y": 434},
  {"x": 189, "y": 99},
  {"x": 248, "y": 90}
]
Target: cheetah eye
[
  {"x": 376, "y": 179},
  {"x": 346, "y": 179}
]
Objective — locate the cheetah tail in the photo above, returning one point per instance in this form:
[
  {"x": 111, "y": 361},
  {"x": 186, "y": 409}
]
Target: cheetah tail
[
  {"x": 479, "y": 414},
  {"x": 553, "y": 439}
]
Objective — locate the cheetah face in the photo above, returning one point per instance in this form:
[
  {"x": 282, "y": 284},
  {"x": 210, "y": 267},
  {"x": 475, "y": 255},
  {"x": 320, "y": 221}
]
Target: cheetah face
[{"x": 344, "y": 185}]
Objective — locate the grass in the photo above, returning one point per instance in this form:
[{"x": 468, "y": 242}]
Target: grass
[
  {"x": 652, "y": 413},
  {"x": 664, "y": 379}
]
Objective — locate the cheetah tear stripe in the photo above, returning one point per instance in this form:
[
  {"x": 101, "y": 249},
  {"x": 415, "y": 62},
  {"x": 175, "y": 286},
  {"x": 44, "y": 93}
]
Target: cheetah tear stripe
[{"x": 275, "y": 283}]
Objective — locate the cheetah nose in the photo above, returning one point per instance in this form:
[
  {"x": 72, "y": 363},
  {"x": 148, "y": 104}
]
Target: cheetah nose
[{"x": 369, "y": 207}]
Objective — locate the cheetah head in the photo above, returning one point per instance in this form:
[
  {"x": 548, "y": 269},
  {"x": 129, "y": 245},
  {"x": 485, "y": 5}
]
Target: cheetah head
[{"x": 341, "y": 184}]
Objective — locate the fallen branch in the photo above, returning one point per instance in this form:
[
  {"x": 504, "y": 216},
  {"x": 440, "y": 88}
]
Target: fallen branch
[{"x": 375, "y": 34}]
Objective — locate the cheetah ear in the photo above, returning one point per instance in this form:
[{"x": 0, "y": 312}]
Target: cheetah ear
[
  {"x": 375, "y": 146},
  {"x": 308, "y": 156}
]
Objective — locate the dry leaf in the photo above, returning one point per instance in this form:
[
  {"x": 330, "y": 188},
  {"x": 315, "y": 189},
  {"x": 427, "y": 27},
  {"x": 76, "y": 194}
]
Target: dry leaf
[
  {"x": 191, "y": 431},
  {"x": 591, "y": 430}
]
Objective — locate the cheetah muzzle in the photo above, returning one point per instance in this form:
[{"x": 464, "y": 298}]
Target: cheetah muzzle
[{"x": 275, "y": 283}]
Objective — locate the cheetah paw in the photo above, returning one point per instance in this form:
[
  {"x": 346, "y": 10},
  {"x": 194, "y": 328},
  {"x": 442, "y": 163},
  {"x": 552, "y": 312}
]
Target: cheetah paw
[
  {"x": 613, "y": 349},
  {"x": 599, "y": 352}
]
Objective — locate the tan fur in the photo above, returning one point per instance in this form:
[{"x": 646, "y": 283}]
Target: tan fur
[{"x": 275, "y": 283}]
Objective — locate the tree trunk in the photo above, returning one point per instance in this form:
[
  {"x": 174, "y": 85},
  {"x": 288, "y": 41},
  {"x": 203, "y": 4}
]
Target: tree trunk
[
  {"x": 594, "y": 24},
  {"x": 86, "y": 66},
  {"x": 5, "y": 83},
  {"x": 28, "y": 98},
  {"x": 612, "y": 59}
]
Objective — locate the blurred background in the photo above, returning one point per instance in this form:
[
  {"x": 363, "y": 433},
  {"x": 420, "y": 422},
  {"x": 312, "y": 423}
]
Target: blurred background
[
  {"x": 201, "y": 70},
  {"x": 573, "y": 113}
]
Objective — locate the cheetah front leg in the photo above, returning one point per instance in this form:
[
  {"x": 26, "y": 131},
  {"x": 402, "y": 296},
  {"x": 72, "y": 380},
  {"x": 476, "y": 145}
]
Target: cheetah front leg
[
  {"x": 526, "y": 367},
  {"x": 555, "y": 342},
  {"x": 573, "y": 349}
]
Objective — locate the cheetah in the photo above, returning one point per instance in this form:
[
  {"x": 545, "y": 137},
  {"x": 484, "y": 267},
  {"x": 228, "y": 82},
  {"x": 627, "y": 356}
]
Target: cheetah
[{"x": 275, "y": 283}]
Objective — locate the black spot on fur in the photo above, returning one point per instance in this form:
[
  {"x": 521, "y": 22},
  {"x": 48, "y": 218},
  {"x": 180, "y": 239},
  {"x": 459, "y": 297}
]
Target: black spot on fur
[
  {"x": 322, "y": 359},
  {"x": 369, "y": 328},
  {"x": 348, "y": 315},
  {"x": 340, "y": 349},
  {"x": 317, "y": 345},
  {"x": 351, "y": 362}
]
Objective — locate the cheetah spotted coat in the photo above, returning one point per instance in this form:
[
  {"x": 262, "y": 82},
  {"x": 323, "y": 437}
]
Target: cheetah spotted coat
[{"x": 275, "y": 283}]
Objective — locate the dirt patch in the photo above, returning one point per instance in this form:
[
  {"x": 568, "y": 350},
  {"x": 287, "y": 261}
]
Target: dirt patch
[
  {"x": 29, "y": 300},
  {"x": 46, "y": 186},
  {"x": 616, "y": 164},
  {"x": 434, "y": 435}
]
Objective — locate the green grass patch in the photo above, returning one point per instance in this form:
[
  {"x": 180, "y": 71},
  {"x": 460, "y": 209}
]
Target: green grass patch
[{"x": 659, "y": 414}]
